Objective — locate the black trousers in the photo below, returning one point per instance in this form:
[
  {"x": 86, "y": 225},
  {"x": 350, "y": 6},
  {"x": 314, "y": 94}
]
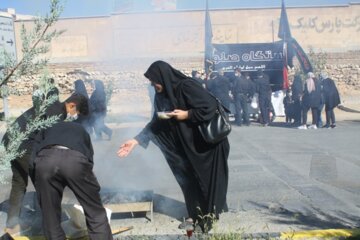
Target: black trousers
[
  {"x": 297, "y": 111},
  {"x": 54, "y": 170},
  {"x": 330, "y": 116},
  {"x": 264, "y": 104},
  {"x": 19, "y": 182},
  {"x": 241, "y": 109},
  {"x": 314, "y": 114}
]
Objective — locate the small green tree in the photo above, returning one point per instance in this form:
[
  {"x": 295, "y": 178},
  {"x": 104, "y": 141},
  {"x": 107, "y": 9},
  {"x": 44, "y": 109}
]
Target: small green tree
[
  {"x": 35, "y": 44},
  {"x": 318, "y": 60},
  {"x": 35, "y": 123}
]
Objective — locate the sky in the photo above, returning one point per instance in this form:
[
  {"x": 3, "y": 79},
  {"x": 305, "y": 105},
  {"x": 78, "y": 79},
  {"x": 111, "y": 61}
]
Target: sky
[{"x": 87, "y": 8}]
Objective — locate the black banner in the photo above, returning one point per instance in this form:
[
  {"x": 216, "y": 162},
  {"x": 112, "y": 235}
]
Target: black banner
[
  {"x": 301, "y": 56},
  {"x": 284, "y": 27},
  {"x": 248, "y": 56}
]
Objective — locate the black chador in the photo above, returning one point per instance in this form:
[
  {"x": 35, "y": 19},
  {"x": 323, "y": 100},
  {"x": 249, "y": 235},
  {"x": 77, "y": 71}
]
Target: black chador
[{"x": 200, "y": 169}]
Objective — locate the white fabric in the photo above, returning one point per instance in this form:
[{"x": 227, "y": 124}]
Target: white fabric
[{"x": 277, "y": 99}]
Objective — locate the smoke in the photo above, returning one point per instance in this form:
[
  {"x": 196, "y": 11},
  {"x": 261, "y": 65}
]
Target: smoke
[{"x": 124, "y": 46}]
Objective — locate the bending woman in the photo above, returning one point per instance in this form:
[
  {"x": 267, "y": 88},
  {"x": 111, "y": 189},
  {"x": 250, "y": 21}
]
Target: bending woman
[{"x": 200, "y": 168}]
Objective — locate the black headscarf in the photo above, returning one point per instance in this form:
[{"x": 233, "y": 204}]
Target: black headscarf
[
  {"x": 99, "y": 86},
  {"x": 79, "y": 87},
  {"x": 99, "y": 94},
  {"x": 162, "y": 73}
]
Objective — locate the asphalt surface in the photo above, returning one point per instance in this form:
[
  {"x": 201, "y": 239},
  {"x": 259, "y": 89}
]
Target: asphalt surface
[{"x": 281, "y": 180}]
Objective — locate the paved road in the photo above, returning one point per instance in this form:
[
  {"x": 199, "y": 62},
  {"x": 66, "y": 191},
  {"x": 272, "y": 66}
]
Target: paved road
[{"x": 281, "y": 178}]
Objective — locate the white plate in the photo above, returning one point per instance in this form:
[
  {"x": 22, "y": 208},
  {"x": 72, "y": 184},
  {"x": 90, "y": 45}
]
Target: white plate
[{"x": 163, "y": 115}]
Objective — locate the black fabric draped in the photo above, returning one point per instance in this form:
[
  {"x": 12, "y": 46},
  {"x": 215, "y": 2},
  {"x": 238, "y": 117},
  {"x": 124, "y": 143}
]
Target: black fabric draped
[
  {"x": 297, "y": 88},
  {"x": 79, "y": 87},
  {"x": 98, "y": 98},
  {"x": 200, "y": 169},
  {"x": 331, "y": 94}
]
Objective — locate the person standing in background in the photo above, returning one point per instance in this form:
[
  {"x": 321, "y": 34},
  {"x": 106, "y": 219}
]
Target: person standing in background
[
  {"x": 311, "y": 100},
  {"x": 243, "y": 90},
  {"x": 197, "y": 76},
  {"x": 331, "y": 99},
  {"x": 219, "y": 85},
  {"x": 264, "y": 90},
  {"x": 296, "y": 94},
  {"x": 98, "y": 110},
  {"x": 80, "y": 88}
]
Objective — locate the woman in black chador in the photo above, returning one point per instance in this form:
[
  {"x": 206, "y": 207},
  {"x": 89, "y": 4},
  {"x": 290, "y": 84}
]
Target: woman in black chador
[
  {"x": 98, "y": 110},
  {"x": 200, "y": 168},
  {"x": 80, "y": 88},
  {"x": 331, "y": 98}
]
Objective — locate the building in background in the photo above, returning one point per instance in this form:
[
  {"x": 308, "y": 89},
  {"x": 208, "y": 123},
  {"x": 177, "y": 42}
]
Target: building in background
[
  {"x": 129, "y": 36},
  {"x": 123, "y": 6}
]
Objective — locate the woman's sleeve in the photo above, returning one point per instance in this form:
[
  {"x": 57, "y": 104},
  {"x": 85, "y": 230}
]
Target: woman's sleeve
[
  {"x": 199, "y": 102},
  {"x": 144, "y": 136}
]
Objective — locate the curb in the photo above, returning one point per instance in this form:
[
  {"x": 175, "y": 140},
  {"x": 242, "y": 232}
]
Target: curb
[
  {"x": 312, "y": 234},
  {"x": 323, "y": 234}
]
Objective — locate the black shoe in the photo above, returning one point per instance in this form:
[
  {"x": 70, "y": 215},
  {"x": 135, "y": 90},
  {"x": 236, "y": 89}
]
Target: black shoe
[{"x": 333, "y": 126}]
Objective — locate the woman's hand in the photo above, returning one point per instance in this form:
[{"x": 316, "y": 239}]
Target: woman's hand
[
  {"x": 179, "y": 114},
  {"x": 126, "y": 148}
]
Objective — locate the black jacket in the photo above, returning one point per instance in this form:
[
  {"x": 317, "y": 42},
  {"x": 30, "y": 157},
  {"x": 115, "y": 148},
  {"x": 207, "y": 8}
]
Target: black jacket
[
  {"x": 330, "y": 93},
  {"x": 312, "y": 99},
  {"x": 243, "y": 85},
  {"x": 22, "y": 121},
  {"x": 263, "y": 87},
  {"x": 69, "y": 134}
]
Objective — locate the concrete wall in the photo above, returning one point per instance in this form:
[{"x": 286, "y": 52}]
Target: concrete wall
[{"x": 181, "y": 34}]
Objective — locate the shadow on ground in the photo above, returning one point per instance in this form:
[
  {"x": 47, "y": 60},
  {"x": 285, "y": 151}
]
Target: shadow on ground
[{"x": 310, "y": 218}]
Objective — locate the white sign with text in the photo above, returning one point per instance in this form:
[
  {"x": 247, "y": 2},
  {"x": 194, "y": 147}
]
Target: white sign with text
[{"x": 7, "y": 37}]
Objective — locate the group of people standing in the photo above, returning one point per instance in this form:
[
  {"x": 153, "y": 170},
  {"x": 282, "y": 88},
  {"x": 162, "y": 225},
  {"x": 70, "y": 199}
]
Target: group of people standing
[
  {"x": 240, "y": 89},
  {"x": 313, "y": 95}
]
